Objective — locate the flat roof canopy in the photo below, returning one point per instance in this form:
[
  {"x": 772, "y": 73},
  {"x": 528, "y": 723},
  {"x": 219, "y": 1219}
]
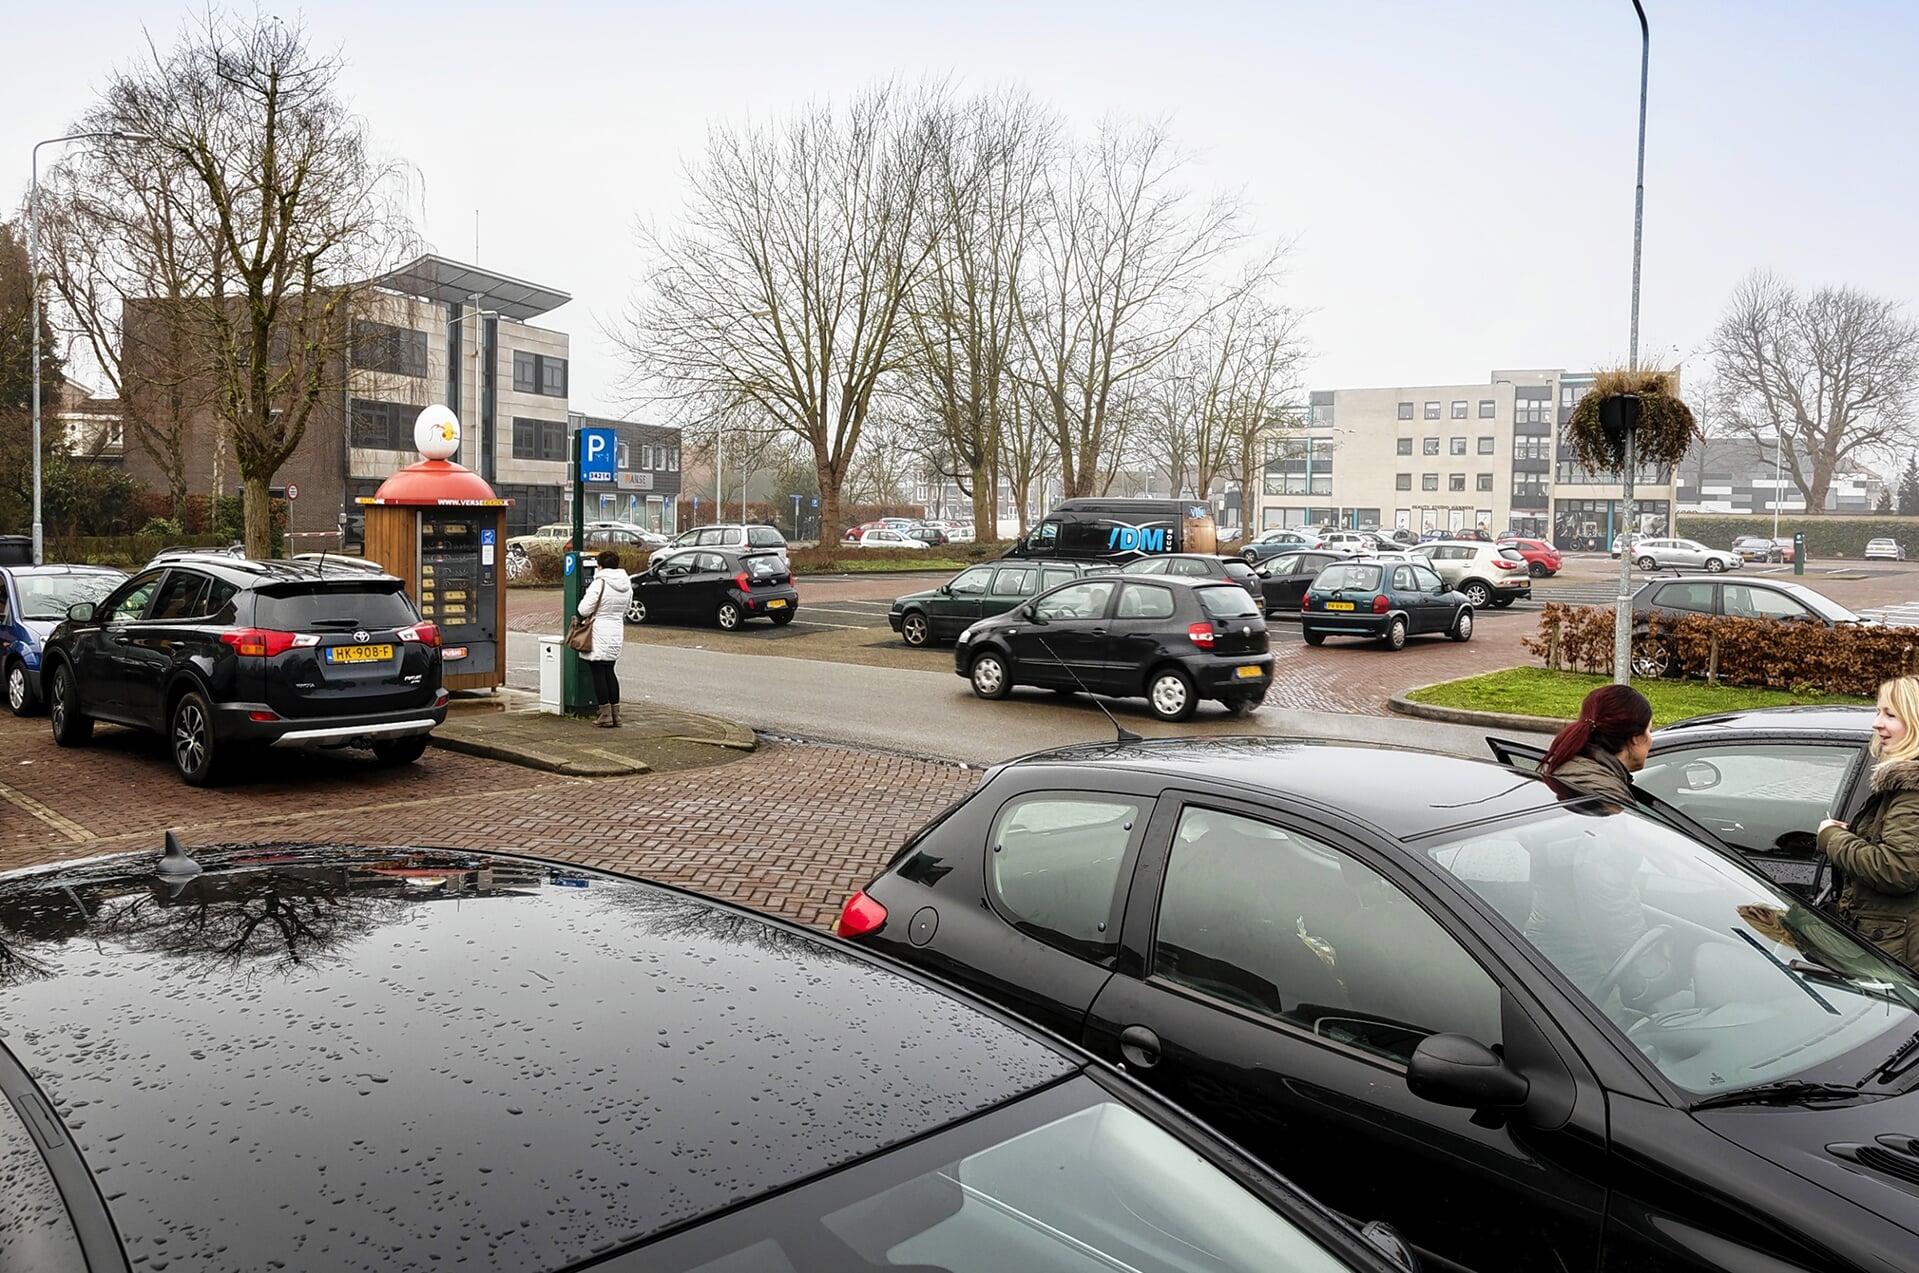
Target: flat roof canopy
[{"x": 437, "y": 279}]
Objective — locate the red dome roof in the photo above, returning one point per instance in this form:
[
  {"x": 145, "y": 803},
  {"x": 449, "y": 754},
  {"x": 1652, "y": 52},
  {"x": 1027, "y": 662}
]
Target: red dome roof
[{"x": 435, "y": 482}]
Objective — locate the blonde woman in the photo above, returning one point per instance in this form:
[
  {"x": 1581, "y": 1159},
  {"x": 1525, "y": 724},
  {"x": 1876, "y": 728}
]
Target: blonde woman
[{"x": 1878, "y": 854}]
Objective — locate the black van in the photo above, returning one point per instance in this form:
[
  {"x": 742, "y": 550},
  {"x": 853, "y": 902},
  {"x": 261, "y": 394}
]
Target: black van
[{"x": 1121, "y": 529}]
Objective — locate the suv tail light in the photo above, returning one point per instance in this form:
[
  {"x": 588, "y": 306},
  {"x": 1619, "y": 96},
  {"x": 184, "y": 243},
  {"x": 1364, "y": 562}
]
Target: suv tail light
[
  {"x": 1201, "y": 635},
  {"x": 1381, "y": 604},
  {"x": 861, "y": 915},
  {"x": 263, "y": 643},
  {"x": 424, "y": 633}
]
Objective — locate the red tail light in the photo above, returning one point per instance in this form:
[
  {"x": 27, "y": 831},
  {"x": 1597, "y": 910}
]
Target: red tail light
[
  {"x": 1201, "y": 635},
  {"x": 424, "y": 633},
  {"x": 1305, "y": 602},
  {"x": 1381, "y": 605},
  {"x": 263, "y": 643},
  {"x": 741, "y": 582},
  {"x": 861, "y": 915}
]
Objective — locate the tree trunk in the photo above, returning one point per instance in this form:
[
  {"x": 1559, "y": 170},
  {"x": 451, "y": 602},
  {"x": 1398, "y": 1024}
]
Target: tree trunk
[
  {"x": 257, "y": 509},
  {"x": 985, "y": 519}
]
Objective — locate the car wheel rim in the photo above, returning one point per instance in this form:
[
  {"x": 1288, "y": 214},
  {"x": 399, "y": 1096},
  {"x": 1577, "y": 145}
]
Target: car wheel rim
[
  {"x": 913, "y": 628},
  {"x": 729, "y": 618},
  {"x": 62, "y": 686},
  {"x": 1465, "y": 625},
  {"x": 988, "y": 676},
  {"x": 636, "y": 613},
  {"x": 17, "y": 688},
  {"x": 1651, "y": 661},
  {"x": 1169, "y": 695},
  {"x": 1478, "y": 596},
  {"x": 189, "y": 739},
  {"x": 1396, "y": 635}
]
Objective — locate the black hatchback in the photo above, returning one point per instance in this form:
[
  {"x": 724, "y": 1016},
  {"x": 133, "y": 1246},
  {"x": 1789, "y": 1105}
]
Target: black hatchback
[
  {"x": 1530, "y": 1029},
  {"x": 220, "y": 654},
  {"x": 1172, "y": 641},
  {"x": 715, "y": 585},
  {"x": 306, "y": 1058}
]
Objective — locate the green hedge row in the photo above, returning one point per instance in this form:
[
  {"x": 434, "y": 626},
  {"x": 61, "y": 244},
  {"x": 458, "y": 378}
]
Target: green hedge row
[
  {"x": 128, "y": 552},
  {"x": 1825, "y": 536}
]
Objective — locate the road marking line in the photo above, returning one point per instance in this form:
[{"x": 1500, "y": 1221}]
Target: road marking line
[{"x": 65, "y": 826}]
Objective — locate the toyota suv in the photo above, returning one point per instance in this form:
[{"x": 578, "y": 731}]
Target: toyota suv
[{"x": 223, "y": 655}]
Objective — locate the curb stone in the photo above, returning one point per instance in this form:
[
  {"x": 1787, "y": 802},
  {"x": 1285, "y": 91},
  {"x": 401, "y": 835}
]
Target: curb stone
[{"x": 1462, "y": 716}]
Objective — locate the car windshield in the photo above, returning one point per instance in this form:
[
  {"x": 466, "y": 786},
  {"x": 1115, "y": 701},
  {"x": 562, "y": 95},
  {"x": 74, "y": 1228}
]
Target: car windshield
[
  {"x": 1091, "y": 1190},
  {"x": 1348, "y": 575},
  {"x": 1722, "y": 980},
  {"x": 48, "y": 596}
]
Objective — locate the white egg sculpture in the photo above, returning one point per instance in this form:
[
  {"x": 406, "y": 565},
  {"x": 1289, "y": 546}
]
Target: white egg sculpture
[{"x": 437, "y": 433}]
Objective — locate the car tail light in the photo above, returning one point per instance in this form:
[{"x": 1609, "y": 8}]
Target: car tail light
[
  {"x": 743, "y": 583},
  {"x": 861, "y": 915},
  {"x": 424, "y": 633},
  {"x": 1306, "y": 602},
  {"x": 1381, "y": 605},
  {"x": 263, "y": 716},
  {"x": 264, "y": 643},
  {"x": 1201, "y": 634}
]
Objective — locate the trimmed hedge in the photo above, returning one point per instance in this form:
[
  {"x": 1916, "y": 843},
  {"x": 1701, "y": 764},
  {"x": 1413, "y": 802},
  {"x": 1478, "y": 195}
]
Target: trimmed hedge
[
  {"x": 1825, "y": 536},
  {"x": 1853, "y": 659},
  {"x": 128, "y": 552}
]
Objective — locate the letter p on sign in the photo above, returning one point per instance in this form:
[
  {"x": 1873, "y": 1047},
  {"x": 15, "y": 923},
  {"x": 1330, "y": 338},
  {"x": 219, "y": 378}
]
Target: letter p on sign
[{"x": 597, "y": 451}]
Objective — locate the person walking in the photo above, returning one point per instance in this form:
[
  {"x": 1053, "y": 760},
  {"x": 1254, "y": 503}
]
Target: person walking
[
  {"x": 1598, "y": 754},
  {"x": 1877, "y": 856},
  {"x": 605, "y": 603}
]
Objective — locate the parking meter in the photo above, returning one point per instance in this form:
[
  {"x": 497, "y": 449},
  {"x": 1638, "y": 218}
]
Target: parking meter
[{"x": 1799, "y": 552}]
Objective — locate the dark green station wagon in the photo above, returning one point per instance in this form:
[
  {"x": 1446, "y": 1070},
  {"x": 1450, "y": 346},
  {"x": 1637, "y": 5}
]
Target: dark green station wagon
[{"x": 980, "y": 592}]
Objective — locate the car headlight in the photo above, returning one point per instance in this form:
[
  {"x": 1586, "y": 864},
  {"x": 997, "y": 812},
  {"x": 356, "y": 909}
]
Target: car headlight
[{"x": 964, "y": 637}]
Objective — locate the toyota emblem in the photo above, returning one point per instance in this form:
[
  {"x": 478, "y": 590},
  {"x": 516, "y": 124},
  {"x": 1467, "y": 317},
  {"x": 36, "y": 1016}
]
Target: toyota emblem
[{"x": 362, "y": 637}]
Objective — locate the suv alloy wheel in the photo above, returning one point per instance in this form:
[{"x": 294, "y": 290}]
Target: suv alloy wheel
[
  {"x": 1477, "y": 593},
  {"x": 70, "y": 727},
  {"x": 196, "y": 755}
]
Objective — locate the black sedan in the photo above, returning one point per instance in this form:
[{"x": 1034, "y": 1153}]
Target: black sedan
[
  {"x": 408, "y": 1059},
  {"x": 715, "y": 585},
  {"x": 1386, "y": 601},
  {"x": 1172, "y": 641},
  {"x": 1284, "y": 579},
  {"x": 1531, "y": 1029}
]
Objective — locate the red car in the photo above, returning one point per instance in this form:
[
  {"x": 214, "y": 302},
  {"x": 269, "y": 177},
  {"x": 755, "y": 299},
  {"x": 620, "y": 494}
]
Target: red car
[{"x": 1541, "y": 557}]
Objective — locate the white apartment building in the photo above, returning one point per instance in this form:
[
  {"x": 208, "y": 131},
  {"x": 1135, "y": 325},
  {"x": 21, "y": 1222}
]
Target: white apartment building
[{"x": 1453, "y": 457}]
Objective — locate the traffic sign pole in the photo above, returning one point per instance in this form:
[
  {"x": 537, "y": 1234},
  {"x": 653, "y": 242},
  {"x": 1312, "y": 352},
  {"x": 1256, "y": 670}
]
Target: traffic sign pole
[{"x": 575, "y": 685}]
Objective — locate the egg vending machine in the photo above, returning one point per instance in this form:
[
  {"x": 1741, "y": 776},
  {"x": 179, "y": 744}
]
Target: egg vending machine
[{"x": 458, "y": 591}]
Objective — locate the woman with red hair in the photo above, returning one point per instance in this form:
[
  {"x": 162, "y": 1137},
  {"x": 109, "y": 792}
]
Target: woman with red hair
[{"x": 1598, "y": 754}]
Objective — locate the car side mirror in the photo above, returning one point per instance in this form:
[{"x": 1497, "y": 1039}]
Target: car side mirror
[
  {"x": 80, "y": 612},
  {"x": 1440, "y": 591},
  {"x": 1033, "y": 615},
  {"x": 1700, "y": 775},
  {"x": 946, "y": 589},
  {"x": 1452, "y": 1069}
]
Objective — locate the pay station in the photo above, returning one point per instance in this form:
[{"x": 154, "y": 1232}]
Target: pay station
[{"x": 440, "y": 527}]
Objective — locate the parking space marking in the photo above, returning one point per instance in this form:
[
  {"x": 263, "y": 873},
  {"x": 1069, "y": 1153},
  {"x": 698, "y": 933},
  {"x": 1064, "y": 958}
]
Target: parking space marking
[{"x": 65, "y": 826}]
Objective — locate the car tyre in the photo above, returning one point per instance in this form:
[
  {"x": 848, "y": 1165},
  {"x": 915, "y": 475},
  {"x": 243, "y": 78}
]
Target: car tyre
[
  {"x": 1395, "y": 638},
  {"x": 1647, "y": 563},
  {"x": 1462, "y": 629},
  {"x": 1244, "y": 705},
  {"x": 990, "y": 676},
  {"x": 1714, "y": 565},
  {"x": 71, "y": 727},
  {"x": 728, "y": 616},
  {"x": 400, "y": 751},
  {"x": 197, "y": 755},
  {"x": 636, "y": 611},
  {"x": 781, "y": 618},
  {"x": 1537, "y": 570},
  {"x": 1169, "y": 695},
  {"x": 1477, "y": 594},
  {"x": 1313, "y": 636},
  {"x": 914, "y": 630},
  {"x": 20, "y": 696}
]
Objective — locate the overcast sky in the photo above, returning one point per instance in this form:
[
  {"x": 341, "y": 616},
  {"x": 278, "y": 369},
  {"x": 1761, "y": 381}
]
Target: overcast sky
[{"x": 1457, "y": 179}]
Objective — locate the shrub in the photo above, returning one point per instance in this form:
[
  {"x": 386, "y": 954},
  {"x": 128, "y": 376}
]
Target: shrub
[{"x": 162, "y": 526}]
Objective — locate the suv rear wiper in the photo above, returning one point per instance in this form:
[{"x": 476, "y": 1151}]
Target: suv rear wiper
[{"x": 1788, "y": 1092}]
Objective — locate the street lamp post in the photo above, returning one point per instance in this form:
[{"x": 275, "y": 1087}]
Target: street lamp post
[
  {"x": 1622, "y": 620},
  {"x": 33, "y": 269},
  {"x": 1775, "y": 485}
]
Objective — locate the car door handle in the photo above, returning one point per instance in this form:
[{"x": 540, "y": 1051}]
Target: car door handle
[
  {"x": 1140, "y": 1047},
  {"x": 1097, "y": 632}
]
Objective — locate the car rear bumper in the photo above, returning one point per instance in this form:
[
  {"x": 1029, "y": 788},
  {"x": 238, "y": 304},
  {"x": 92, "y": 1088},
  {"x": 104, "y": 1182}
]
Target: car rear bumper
[
  {"x": 1339, "y": 623},
  {"x": 768, "y": 601},
  {"x": 236, "y": 723},
  {"x": 1219, "y": 674}
]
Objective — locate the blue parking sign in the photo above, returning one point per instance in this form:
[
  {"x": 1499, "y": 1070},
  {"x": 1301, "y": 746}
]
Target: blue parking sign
[{"x": 598, "y": 448}]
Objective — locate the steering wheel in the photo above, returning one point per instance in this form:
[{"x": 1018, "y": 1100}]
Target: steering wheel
[{"x": 1647, "y": 940}]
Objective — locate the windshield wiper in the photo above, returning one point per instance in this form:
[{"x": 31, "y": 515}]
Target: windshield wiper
[
  {"x": 1890, "y": 1067},
  {"x": 1788, "y": 1092}
]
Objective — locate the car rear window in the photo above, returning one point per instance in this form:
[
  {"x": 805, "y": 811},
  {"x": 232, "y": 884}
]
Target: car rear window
[
  {"x": 1227, "y": 602},
  {"x": 1348, "y": 575},
  {"x": 763, "y": 566},
  {"x": 329, "y": 607}
]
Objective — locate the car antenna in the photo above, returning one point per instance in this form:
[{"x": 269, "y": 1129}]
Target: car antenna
[
  {"x": 1125, "y": 735},
  {"x": 174, "y": 861}
]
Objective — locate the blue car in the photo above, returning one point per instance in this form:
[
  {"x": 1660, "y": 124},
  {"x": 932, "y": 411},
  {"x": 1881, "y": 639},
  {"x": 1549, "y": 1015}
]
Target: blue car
[{"x": 33, "y": 601}]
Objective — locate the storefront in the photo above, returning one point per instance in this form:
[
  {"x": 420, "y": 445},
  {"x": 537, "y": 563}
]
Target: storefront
[{"x": 1588, "y": 525}]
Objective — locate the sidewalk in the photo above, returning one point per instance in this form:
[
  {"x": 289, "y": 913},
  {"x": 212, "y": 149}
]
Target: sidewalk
[{"x": 509, "y": 726}]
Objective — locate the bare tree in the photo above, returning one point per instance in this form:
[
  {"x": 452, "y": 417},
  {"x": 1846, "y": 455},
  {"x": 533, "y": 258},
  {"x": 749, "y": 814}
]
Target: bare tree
[
  {"x": 1026, "y": 457},
  {"x": 1833, "y": 372},
  {"x": 1118, "y": 276},
  {"x": 782, "y": 291},
  {"x": 257, "y": 165}
]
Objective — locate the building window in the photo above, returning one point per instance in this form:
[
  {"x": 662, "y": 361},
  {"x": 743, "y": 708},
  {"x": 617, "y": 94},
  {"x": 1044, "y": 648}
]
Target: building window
[
  {"x": 1429, "y": 481},
  {"x": 625, "y": 460},
  {"x": 396, "y": 351},
  {"x": 1529, "y": 488},
  {"x": 539, "y": 439},
  {"x": 538, "y": 373},
  {"x": 1405, "y": 446},
  {"x": 1455, "y": 481},
  {"x": 1486, "y": 445},
  {"x": 384, "y": 426},
  {"x": 1404, "y": 482},
  {"x": 1486, "y": 408},
  {"x": 1429, "y": 447},
  {"x": 1459, "y": 410},
  {"x": 1485, "y": 481},
  {"x": 1320, "y": 415},
  {"x": 1432, "y": 411},
  {"x": 1532, "y": 411},
  {"x": 1538, "y": 447},
  {"x": 1405, "y": 410},
  {"x": 1456, "y": 446}
]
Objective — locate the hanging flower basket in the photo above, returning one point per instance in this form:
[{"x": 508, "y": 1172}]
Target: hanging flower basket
[{"x": 1665, "y": 431}]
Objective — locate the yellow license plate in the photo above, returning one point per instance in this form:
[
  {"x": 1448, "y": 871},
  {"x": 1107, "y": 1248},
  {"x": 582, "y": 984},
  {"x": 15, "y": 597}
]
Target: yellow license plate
[
  {"x": 359, "y": 653},
  {"x": 1339, "y": 605},
  {"x": 1249, "y": 671},
  {"x": 778, "y": 603}
]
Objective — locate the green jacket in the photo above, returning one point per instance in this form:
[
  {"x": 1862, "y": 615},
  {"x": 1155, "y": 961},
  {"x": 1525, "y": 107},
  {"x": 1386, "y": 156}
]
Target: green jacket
[{"x": 1879, "y": 857}]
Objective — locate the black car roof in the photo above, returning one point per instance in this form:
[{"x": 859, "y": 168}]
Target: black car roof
[
  {"x": 1822, "y": 720},
  {"x": 1428, "y": 792},
  {"x": 342, "y": 1060}
]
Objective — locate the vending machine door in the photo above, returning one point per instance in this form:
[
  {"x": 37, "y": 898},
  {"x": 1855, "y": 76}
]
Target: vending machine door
[{"x": 459, "y": 575}]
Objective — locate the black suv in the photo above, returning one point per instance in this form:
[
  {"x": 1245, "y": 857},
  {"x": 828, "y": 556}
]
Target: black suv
[{"x": 220, "y": 654}]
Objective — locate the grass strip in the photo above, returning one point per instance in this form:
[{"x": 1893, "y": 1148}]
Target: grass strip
[{"x": 1536, "y": 691}]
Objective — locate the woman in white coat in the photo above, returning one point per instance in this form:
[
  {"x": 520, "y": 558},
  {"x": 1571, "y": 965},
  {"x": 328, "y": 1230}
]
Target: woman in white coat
[{"x": 605, "y": 600}]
